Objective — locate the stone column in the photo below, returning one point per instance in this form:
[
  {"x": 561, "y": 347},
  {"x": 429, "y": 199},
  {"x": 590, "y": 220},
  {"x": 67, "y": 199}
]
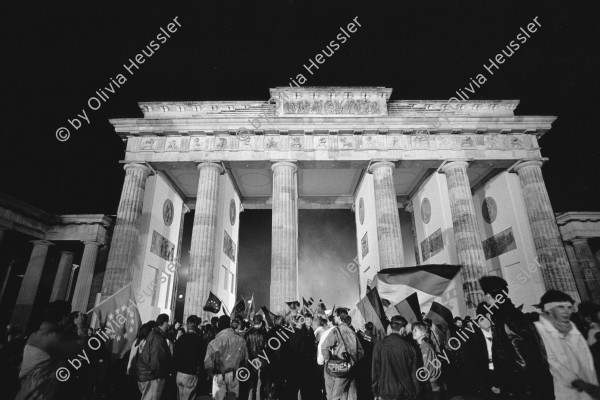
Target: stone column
[
  {"x": 119, "y": 267},
  {"x": 389, "y": 235},
  {"x": 30, "y": 283},
  {"x": 589, "y": 269},
  {"x": 81, "y": 296},
  {"x": 203, "y": 247},
  {"x": 61, "y": 281},
  {"x": 469, "y": 249},
  {"x": 284, "y": 236},
  {"x": 555, "y": 268}
]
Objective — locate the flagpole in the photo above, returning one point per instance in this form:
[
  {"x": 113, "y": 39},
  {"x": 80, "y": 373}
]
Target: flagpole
[
  {"x": 94, "y": 315},
  {"x": 111, "y": 296},
  {"x": 225, "y": 307}
]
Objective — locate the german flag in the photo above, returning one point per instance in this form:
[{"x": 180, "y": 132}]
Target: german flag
[{"x": 371, "y": 309}]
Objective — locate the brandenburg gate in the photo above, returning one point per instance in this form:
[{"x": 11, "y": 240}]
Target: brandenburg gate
[{"x": 429, "y": 182}]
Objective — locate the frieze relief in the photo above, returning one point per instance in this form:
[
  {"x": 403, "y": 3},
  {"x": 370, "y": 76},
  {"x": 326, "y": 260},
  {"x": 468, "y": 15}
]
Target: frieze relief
[{"x": 330, "y": 142}]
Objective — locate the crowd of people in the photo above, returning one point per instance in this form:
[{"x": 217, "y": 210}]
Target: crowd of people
[{"x": 501, "y": 353}]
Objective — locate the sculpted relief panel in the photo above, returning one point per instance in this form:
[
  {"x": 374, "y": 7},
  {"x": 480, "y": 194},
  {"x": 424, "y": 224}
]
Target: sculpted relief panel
[{"x": 322, "y": 142}]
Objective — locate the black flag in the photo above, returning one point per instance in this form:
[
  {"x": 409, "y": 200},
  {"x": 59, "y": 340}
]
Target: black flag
[{"x": 213, "y": 304}]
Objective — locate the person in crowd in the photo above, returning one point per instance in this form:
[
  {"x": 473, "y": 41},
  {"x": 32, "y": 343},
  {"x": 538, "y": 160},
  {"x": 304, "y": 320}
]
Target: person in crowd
[
  {"x": 303, "y": 345},
  {"x": 471, "y": 361},
  {"x": 320, "y": 359},
  {"x": 568, "y": 354},
  {"x": 591, "y": 316},
  {"x": 214, "y": 321},
  {"x": 519, "y": 355},
  {"x": 225, "y": 354},
  {"x": 595, "y": 350},
  {"x": 180, "y": 333},
  {"x": 458, "y": 322},
  {"x": 485, "y": 324},
  {"x": 432, "y": 387},
  {"x": 321, "y": 327},
  {"x": 154, "y": 361},
  {"x": 256, "y": 341},
  {"x": 46, "y": 351},
  {"x": 11, "y": 355},
  {"x": 341, "y": 340},
  {"x": 188, "y": 356},
  {"x": 395, "y": 365},
  {"x": 367, "y": 340}
]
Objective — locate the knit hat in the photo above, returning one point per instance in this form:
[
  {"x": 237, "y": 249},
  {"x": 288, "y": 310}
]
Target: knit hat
[
  {"x": 492, "y": 285},
  {"x": 552, "y": 298}
]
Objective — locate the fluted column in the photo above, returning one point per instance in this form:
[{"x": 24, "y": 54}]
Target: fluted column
[
  {"x": 589, "y": 269},
  {"x": 120, "y": 264},
  {"x": 284, "y": 236},
  {"x": 389, "y": 235},
  {"x": 61, "y": 281},
  {"x": 81, "y": 295},
  {"x": 29, "y": 286},
  {"x": 469, "y": 249},
  {"x": 555, "y": 268},
  {"x": 203, "y": 248}
]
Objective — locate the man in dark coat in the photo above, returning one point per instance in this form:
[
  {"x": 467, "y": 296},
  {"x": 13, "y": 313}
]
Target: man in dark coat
[
  {"x": 395, "y": 365},
  {"x": 256, "y": 341},
  {"x": 155, "y": 361},
  {"x": 363, "y": 368},
  {"x": 303, "y": 345},
  {"x": 518, "y": 352},
  {"x": 188, "y": 355}
]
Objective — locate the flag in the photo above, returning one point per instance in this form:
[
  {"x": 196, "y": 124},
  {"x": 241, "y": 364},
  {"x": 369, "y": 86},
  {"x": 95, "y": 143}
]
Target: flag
[
  {"x": 239, "y": 307},
  {"x": 213, "y": 304},
  {"x": 293, "y": 304},
  {"x": 251, "y": 307},
  {"x": 442, "y": 319},
  {"x": 429, "y": 281},
  {"x": 268, "y": 315},
  {"x": 409, "y": 308},
  {"x": 320, "y": 308},
  {"x": 372, "y": 310},
  {"x": 120, "y": 318}
]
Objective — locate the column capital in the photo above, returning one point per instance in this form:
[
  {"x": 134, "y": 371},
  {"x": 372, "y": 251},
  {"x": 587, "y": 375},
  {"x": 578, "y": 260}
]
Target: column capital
[
  {"x": 284, "y": 164},
  {"x": 142, "y": 167},
  {"x": 528, "y": 163},
  {"x": 41, "y": 243},
  {"x": 379, "y": 164},
  {"x": 91, "y": 242},
  {"x": 579, "y": 240},
  {"x": 214, "y": 164},
  {"x": 454, "y": 164},
  {"x": 67, "y": 252}
]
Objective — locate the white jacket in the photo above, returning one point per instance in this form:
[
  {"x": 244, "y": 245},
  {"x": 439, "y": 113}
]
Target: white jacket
[{"x": 569, "y": 358}]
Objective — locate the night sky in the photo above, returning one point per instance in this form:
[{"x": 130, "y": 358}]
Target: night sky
[{"x": 55, "y": 56}]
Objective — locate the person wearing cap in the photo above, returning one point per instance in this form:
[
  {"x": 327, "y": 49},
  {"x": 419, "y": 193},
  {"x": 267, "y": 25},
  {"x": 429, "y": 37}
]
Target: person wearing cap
[
  {"x": 395, "y": 365},
  {"x": 188, "y": 354},
  {"x": 225, "y": 354},
  {"x": 519, "y": 356},
  {"x": 568, "y": 354}
]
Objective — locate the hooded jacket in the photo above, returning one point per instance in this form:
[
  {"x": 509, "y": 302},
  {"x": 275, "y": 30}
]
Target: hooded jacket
[{"x": 225, "y": 353}]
